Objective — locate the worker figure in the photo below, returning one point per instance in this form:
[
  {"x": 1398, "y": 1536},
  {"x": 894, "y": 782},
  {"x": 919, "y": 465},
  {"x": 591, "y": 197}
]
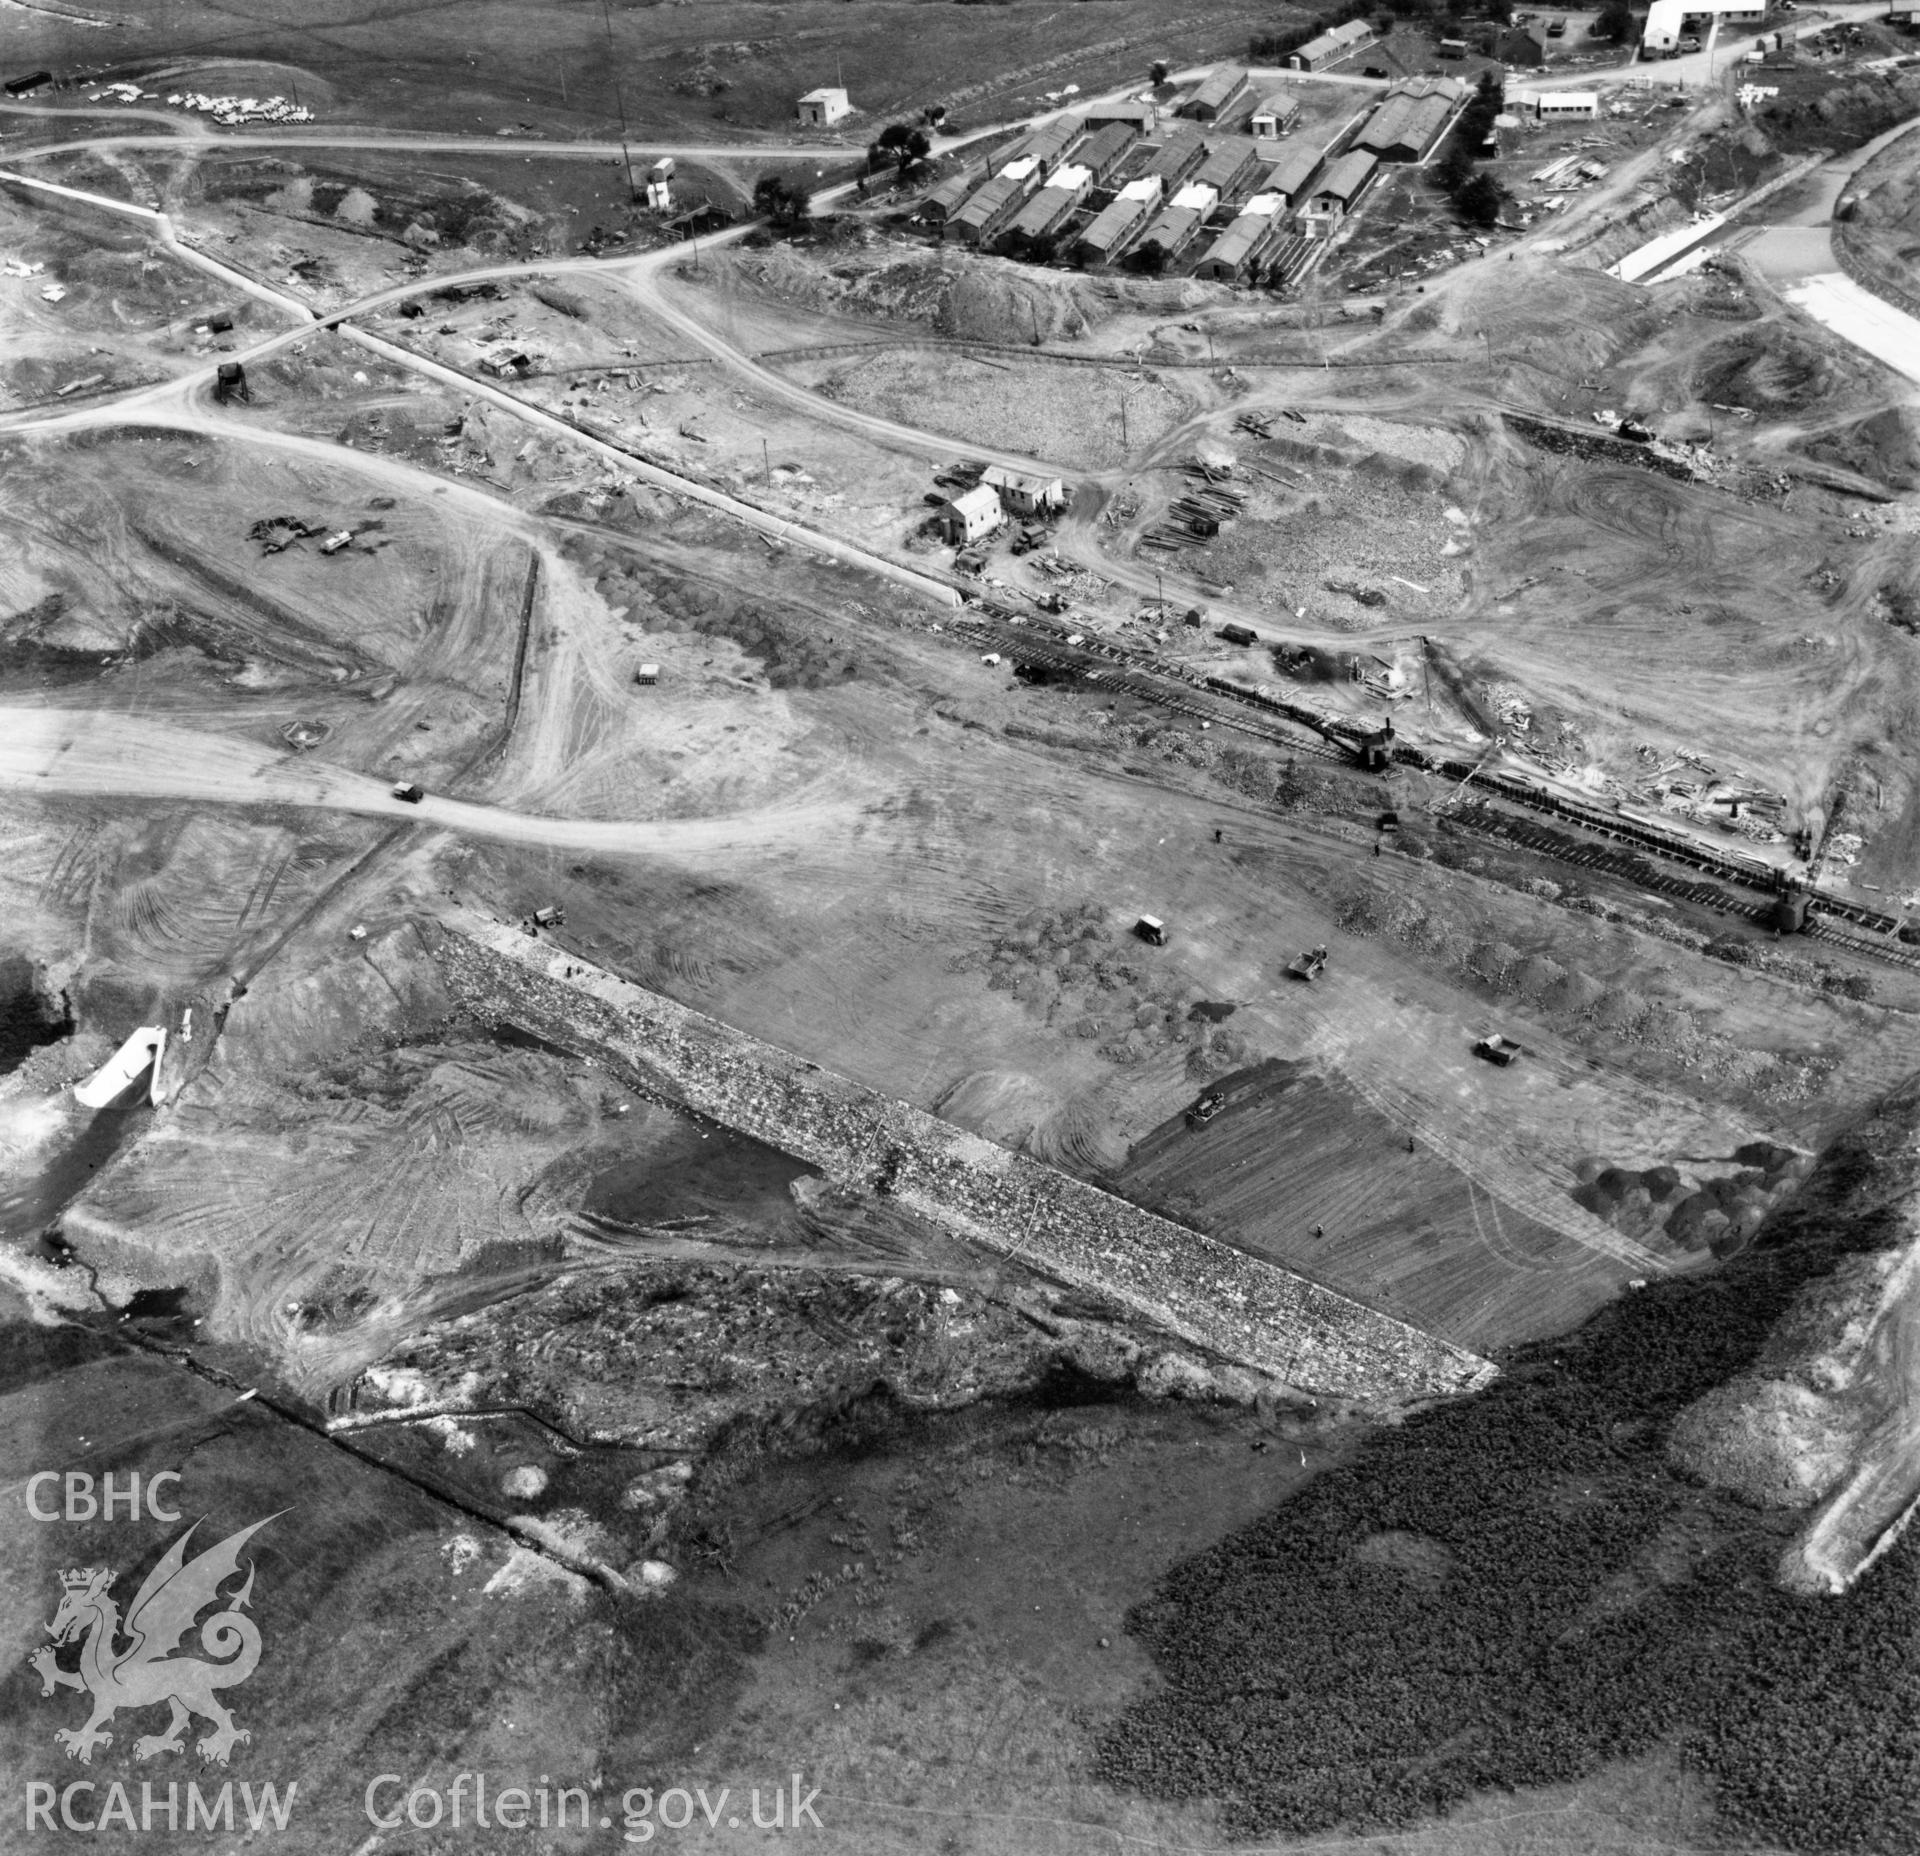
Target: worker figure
[
  {"x": 1216, "y": 834},
  {"x": 1410, "y": 1146},
  {"x": 1319, "y": 1230}
]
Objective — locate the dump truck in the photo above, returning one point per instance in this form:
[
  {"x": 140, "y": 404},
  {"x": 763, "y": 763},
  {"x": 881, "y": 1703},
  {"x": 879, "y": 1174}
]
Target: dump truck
[
  {"x": 339, "y": 539},
  {"x": 409, "y": 790},
  {"x": 1206, "y": 1108},
  {"x": 1493, "y": 1048},
  {"x": 1152, "y": 930},
  {"x": 1310, "y": 965}
]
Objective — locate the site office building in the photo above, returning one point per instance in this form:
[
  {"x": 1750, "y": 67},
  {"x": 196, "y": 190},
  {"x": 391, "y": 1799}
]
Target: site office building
[
  {"x": 1113, "y": 228},
  {"x": 1274, "y": 116},
  {"x": 821, "y": 109},
  {"x": 1669, "y": 21},
  {"x": 971, "y": 516},
  {"x": 1339, "y": 191},
  {"x": 1331, "y": 47},
  {"x": 1256, "y": 229},
  {"x": 1018, "y": 173},
  {"x": 1220, "y": 94}
]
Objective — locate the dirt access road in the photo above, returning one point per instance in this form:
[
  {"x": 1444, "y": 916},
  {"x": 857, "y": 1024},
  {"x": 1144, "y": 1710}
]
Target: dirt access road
[{"x": 90, "y": 753}]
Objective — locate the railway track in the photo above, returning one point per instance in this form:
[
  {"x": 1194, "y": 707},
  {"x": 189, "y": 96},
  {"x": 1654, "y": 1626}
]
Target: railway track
[
  {"x": 1609, "y": 859},
  {"x": 1623, "y": 852},
  {"x": 1822, "y": 929},
  {"x": 1122, "y": 673}
]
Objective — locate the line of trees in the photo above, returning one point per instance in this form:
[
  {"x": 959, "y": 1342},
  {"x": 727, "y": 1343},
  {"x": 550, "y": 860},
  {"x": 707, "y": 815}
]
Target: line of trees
[
  {"x": 1517, "y": 1588},
  {"x": 1435, "y": 16},
  {"x": 1476, "y": 197}
]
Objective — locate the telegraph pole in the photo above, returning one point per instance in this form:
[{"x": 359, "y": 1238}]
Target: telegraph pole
[{"x": 619, "y": 96}]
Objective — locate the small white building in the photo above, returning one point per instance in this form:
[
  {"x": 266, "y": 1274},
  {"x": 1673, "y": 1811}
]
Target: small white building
[
  {"x": 1197, "y": 197},
  {"x": 971, "y": 515},
  {"x": 1273, "y": 117},
  {"x": 1022, "y": 493},
  {"x": 1568, "y": 106},
  {"x": 821, "y": 109}
]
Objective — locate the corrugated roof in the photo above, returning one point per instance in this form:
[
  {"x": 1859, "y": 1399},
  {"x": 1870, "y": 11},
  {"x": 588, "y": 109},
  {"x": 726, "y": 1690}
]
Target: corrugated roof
[
  {"x": 1178, "y": 152},
  {"x": 986, "y": 201},
  {"x": 1404, "y": 122},
  {"x": 1227, "y": 161},
  {"x": 1024, "y": 481},
  {"x": 975, "y": 502},
  {"x": 1298, "y": 163},
  {"x": 1234, "y": 245},
  {"x": 1111, "y": 227},
  {"x": 1047, "y": 206},
  {"x": 1217, "y": 86},
  {"x": 1347, "y": 175},
  {"x": 1173, "y": 228},
  {"x": 1453, "y": 88},
  {"x": 1341, "y": 38},
  {"x": 1105, "y": 146},
  {"x": 950, "y": 193}
]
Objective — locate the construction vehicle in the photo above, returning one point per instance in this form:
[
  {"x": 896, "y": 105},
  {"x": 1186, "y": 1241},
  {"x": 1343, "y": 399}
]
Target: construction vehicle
[
  {"x": 1152, "y": 930},
  {"x": 1239, "y": 634},
  {"x": 409, "y": 790},
  {"x": 1206, "y": 1108},
  {"x": 1389, "y": 822},
  {"x": 1310, "y": 965},
  {"x": 1493, "y": 1048},
  {"x": 336, "y": 541}
]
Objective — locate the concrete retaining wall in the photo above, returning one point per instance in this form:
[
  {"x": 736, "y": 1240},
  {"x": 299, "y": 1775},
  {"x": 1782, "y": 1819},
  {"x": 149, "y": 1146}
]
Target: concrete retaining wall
[{"x": 1189, "y": 1284}]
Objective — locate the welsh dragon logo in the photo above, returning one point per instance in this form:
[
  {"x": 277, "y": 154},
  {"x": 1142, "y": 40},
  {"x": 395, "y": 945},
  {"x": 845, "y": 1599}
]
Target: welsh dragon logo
[{"x": 144, "y": 1673}]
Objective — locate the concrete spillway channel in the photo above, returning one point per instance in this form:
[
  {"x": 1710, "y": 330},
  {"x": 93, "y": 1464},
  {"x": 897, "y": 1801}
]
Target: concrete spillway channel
[{"x": 1184, "y": 1282}]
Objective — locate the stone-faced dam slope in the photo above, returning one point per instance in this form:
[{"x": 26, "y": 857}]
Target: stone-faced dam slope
[{"x": 1191, "y": 1285}]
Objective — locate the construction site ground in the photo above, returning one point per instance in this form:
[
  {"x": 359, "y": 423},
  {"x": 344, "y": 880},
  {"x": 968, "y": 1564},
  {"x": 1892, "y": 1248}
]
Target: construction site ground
[{"x": 449, "y": 1247}]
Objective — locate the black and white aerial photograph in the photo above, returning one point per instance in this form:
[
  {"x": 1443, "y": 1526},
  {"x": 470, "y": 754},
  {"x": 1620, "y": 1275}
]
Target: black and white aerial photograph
[{"x": 959, "y": 928}]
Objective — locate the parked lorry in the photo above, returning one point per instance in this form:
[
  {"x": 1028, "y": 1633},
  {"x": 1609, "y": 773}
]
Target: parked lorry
[{"x": 1310, "y": 965}]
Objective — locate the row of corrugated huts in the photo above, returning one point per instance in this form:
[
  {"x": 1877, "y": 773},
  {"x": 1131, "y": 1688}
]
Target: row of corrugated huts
[{"x": 1101, "y": 189}]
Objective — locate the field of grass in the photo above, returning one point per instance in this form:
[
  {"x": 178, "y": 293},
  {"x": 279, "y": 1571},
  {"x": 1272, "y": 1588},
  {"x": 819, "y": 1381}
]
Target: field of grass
[{"x": 690, "y": 70}]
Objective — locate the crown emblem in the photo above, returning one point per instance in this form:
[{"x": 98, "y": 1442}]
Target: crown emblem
[{"x": 78, "y": 1578}]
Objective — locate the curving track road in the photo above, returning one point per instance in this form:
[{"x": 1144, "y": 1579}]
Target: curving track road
[{"x": 96, "y": 752}]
